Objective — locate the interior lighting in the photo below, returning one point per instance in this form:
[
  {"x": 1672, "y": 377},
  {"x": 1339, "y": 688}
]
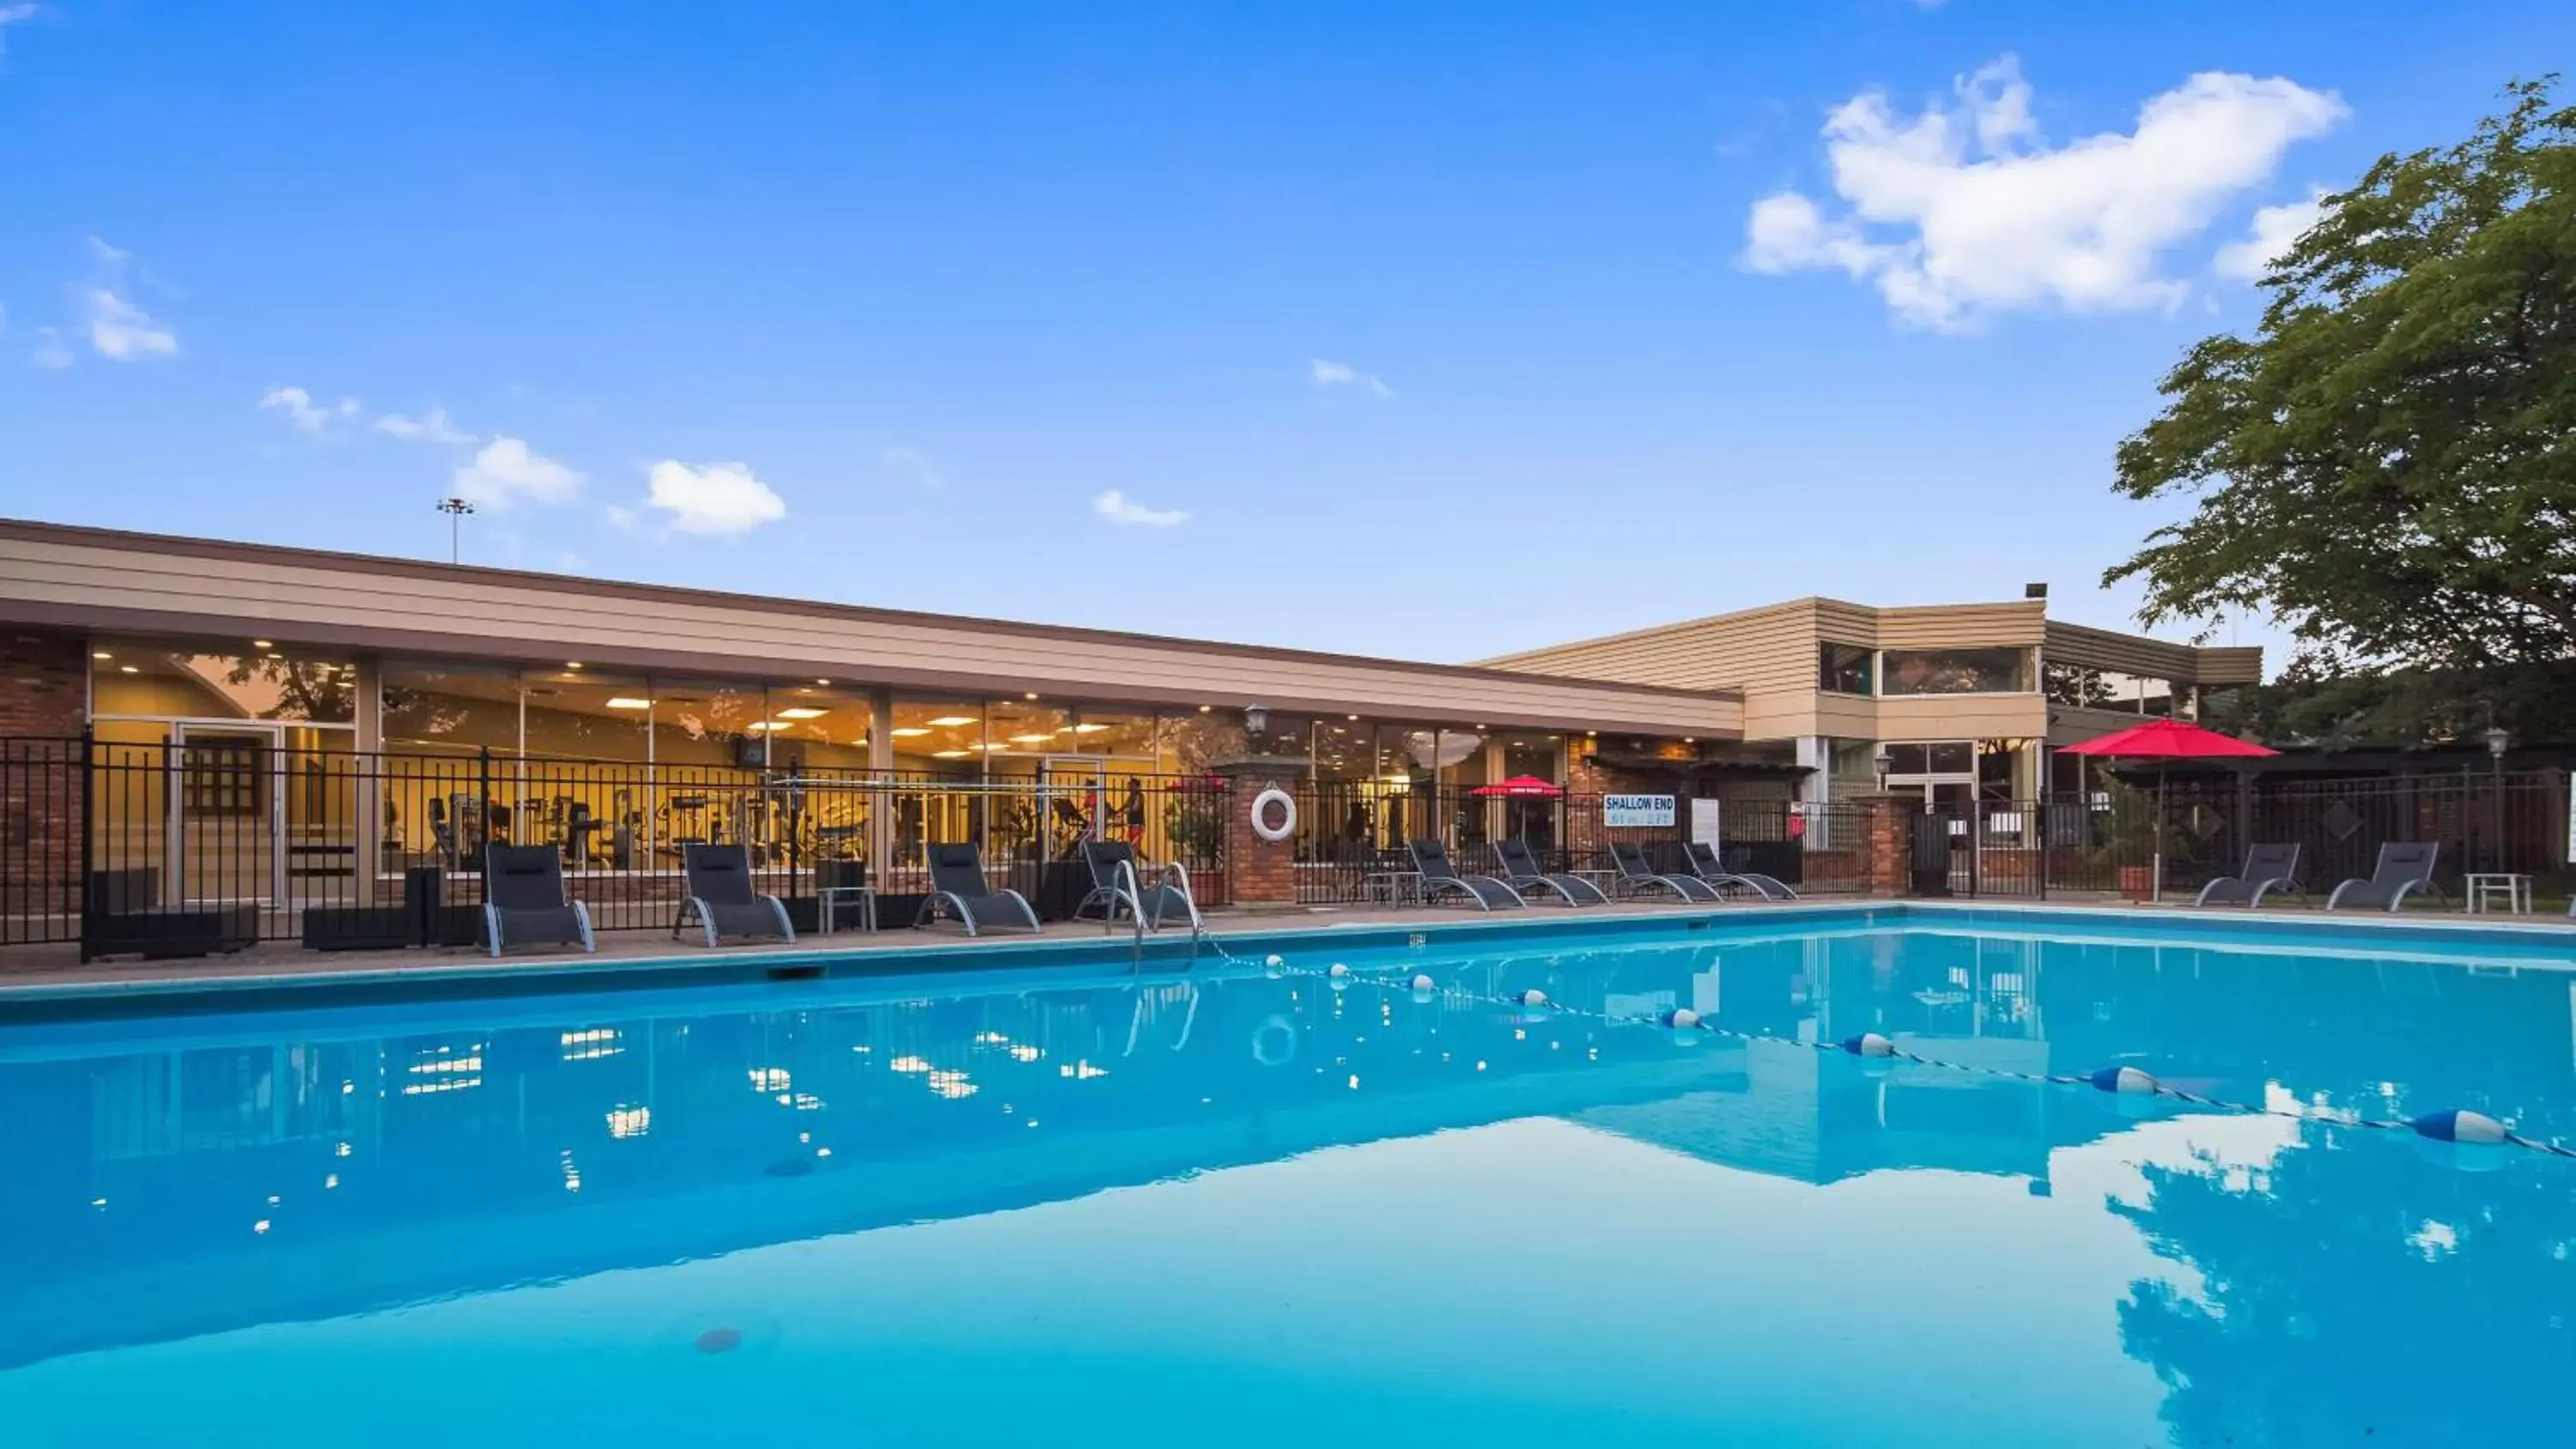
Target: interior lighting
[
  {"x": 1030, "y": 739},
  {"x": 952, "y": 721},
  {"x": 263, "y": 643},
  {"x": 127, "y": 669},
  {"x": 1089, "y": 729},
  {"x": 102, "y": 654},
  {"x": 950, "y": 754},
  {"x": 910, "y": 732},
  {"x": 803, "y": 711},
  {"x": 822, "y": 681},
  {"x": 572, "y": 664},
  {"x": 1032, "y": 698},
  {"x": 764, "y": 724},
  {"x": 629, "y": 702},
  {"x": 1205, "y": 708}
]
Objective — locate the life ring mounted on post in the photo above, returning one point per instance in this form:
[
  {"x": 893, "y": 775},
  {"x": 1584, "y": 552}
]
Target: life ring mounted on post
[{"x": 1263, "y": 809}]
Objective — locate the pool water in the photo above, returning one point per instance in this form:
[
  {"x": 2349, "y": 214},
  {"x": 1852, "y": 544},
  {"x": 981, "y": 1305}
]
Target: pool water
[{"x": 1224, "y": 1208}]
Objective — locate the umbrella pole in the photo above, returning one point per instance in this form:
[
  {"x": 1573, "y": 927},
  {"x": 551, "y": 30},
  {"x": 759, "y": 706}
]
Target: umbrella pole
[{"x": 2156, "y": 882}]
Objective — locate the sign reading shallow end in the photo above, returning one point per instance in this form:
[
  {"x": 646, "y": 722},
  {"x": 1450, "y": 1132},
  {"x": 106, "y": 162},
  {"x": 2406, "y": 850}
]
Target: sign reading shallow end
[{"x": 1626, "y": 812}]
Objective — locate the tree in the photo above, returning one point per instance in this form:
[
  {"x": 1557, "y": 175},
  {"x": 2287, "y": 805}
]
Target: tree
[{"x": 2388, "y": 466}]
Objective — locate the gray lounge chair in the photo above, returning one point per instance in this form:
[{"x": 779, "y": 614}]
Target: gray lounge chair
[
  {"x": 524, "y": 902},
  {"x": 1431, "y": 860},
  {"x": 1705, "y": 865},
  {"x": 2269, "y": 870},
  {"x": 1637, "y": 877},
  {"x": 1521, "y": 871},
  {"x": 1156, "y": 900},
  {"x": 723, "y": 899},
  {"x": 957, "y": 882},
  {"x": 2405, "y": 866}
]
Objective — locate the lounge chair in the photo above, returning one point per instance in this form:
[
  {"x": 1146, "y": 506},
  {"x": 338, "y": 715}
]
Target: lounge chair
[
  {"x": 524, "y": 901},
  {"x": 1156, "y": 900},
  {"x": 1431, "y": 862},
  {"x": 2405, "y": 866},
  {"x": 1521, "y": 871},
  {"x": 2269, "y": 870},
  {"x": 722, "y": 897},
  {"x": 1705, "y": 865},
  {"x": 1636, "y": 877},
  {"x": 957, "y": 882}
]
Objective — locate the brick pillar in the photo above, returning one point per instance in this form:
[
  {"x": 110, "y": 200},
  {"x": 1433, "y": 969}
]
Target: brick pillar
[
  {"x": 1585, "y": 782},
  {"x": 44, "y": 706},
  {"x": 1887, "y": 842},
  {"x": 1259, "y": 873}
]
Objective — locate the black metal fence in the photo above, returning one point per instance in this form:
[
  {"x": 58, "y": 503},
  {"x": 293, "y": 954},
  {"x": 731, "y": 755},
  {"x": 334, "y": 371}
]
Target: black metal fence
[
  {"x": 2116, "y": 841},
  {"x": 173, "y": 846},
  {"x": 1352, "y": 836}
]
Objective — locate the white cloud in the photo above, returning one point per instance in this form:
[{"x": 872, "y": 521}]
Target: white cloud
[
  {"x": 1329, "y": 375},
  {"x": 505, "y": 473},
  {"x": 914, "y": 466},
  {"x": 712, "y": 497},
  {"x": 122, "y": 331},
  {"x": 1119, "y": 509},
  {"x": 2276, "y": 229},
  {"x": 430, "y": 427},
  {"x": 304, "y": 412},
  {"x": 11, "y": 15},
  {"x": 1965, "y": 210}
]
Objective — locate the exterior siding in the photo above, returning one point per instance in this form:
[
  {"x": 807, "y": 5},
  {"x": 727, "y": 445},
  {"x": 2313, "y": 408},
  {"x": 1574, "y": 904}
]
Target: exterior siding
[{"x": 88, "y": 579}]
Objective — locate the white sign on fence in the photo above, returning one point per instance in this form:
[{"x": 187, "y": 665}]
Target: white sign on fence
[
  {"x": 1623, "y": 812},
  {"x": 1705, "y": 823}
]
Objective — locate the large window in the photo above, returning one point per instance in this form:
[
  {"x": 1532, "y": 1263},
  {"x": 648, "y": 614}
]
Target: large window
[
  {"x": 257, "y": 681},
  {"x": 1954, "y": 671},
  {"x": 2086, "y": 687},
  {"x": 1846, "y": 669},
  {"x": 1938, "y": 757}
]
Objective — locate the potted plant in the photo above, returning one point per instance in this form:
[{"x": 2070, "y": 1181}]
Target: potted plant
[{"x": 2127, "y": 839}]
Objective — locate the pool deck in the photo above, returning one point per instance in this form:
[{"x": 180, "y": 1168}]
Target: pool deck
[{"x": 29, "y": 972}]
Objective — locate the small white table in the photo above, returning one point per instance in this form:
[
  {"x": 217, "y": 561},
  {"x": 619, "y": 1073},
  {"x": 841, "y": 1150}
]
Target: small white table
[
  {"x": 826, "y": 898},
  {"x": 2483, "y": 887}
]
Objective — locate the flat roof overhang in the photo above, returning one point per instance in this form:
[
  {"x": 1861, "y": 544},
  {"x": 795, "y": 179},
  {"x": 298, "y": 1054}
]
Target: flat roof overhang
[{"x": 60, "y": 576}]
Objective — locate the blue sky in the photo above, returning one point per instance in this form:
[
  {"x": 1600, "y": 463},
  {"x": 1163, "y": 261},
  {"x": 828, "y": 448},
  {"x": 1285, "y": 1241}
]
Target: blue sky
[{"x": 1450, "y": 328}]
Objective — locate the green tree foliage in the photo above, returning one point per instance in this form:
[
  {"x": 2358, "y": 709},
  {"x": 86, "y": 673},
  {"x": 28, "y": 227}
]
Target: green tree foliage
[{"x": 2388, "y": 466}]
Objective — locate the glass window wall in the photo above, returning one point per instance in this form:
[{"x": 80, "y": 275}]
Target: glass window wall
[
  {"x": 1846, "y": 669},
  {"x": 253, "y": 681},
  {"x": 1954, "y": 671}
]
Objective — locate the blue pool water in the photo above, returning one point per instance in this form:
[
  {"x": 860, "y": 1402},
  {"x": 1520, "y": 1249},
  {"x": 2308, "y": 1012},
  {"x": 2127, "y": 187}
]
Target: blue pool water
[{"x": 1225, "y": 1208}]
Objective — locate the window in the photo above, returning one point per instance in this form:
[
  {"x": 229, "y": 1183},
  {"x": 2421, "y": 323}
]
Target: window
[
  {"x": 1846, "y": 669},
  {"x": 1942, "y": 757},
  {"x": 223, "y": 777},
  {"x": 2080, "y": 685},
  {"x": 1954, "y": 671},
  {"x": 164, "y": 680}
]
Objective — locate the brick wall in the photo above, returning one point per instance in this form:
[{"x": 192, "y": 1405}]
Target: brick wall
[
  {"x": 44, "y": 699},
  {"x": 1588, "y": 780},
  {"x": 1258, "y": 872},
  {"x": 44, "y": 683}
]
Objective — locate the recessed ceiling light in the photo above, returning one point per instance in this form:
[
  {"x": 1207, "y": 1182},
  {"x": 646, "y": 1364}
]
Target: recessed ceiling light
[
  {"x": 1205, "y": 708},
  {"x": 1355, "y": 719},
  {"x": 909, "y": 732},
  {"x": 128, "y": 669},
  {"x": 263, "y": 644},
  {"x": 950, "y": 754},
  {"x": 952, "y": 721},
  {"x": 102, "y": 654},
  {"x": 1089, "y": 729},
  {"x": 1030, "y": 739},
  {"x": 572, "y": 664},
  {"x": 803, "y": 712},
  {"x": 764, "y": 724},
  {"x": 822, "y": 681},
  {"x": 1690, "y": 739},
  {"x": 1028, "y": 696},
  {"x": 624, "y": 702}
]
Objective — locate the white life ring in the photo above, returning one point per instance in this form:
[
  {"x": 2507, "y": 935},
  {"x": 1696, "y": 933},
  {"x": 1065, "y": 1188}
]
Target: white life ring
[
  {"x": 1287, "y": 825},
  {"x": 1274, "y": 1042}
]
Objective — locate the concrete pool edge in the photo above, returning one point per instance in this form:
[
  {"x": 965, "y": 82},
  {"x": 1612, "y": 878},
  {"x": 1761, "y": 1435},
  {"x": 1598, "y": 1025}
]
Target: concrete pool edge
[{"x": 180, "y": 993}]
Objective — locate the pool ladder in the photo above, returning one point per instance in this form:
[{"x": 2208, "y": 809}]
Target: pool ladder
[{"x": 1174, "y": 877}]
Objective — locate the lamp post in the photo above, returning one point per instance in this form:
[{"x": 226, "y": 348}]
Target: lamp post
[
  {"x": 1886, "y": 761},
  {"x": 455, "y": 509},
  {"x": 2497, "y": 740}
]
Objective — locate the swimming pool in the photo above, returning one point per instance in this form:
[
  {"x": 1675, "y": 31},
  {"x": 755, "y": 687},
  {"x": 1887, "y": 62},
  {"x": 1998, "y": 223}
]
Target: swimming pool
[{"x": 1066, "y": 1208}]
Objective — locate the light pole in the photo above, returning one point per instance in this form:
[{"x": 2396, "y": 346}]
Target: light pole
[
  {"x": 2497, "y": 740},
  {"x": 455, "y": 509}
]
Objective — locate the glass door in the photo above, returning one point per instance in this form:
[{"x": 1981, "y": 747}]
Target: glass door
[
  {"x": 1074, "y": 795},
  {"x": 227, "y": 837}
]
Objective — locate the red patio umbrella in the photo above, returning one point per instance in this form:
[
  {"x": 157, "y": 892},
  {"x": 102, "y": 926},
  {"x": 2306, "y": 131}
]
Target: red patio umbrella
[
  {"x": 2165, "y": 741},
  {"x": 1520, "y": 787}
]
